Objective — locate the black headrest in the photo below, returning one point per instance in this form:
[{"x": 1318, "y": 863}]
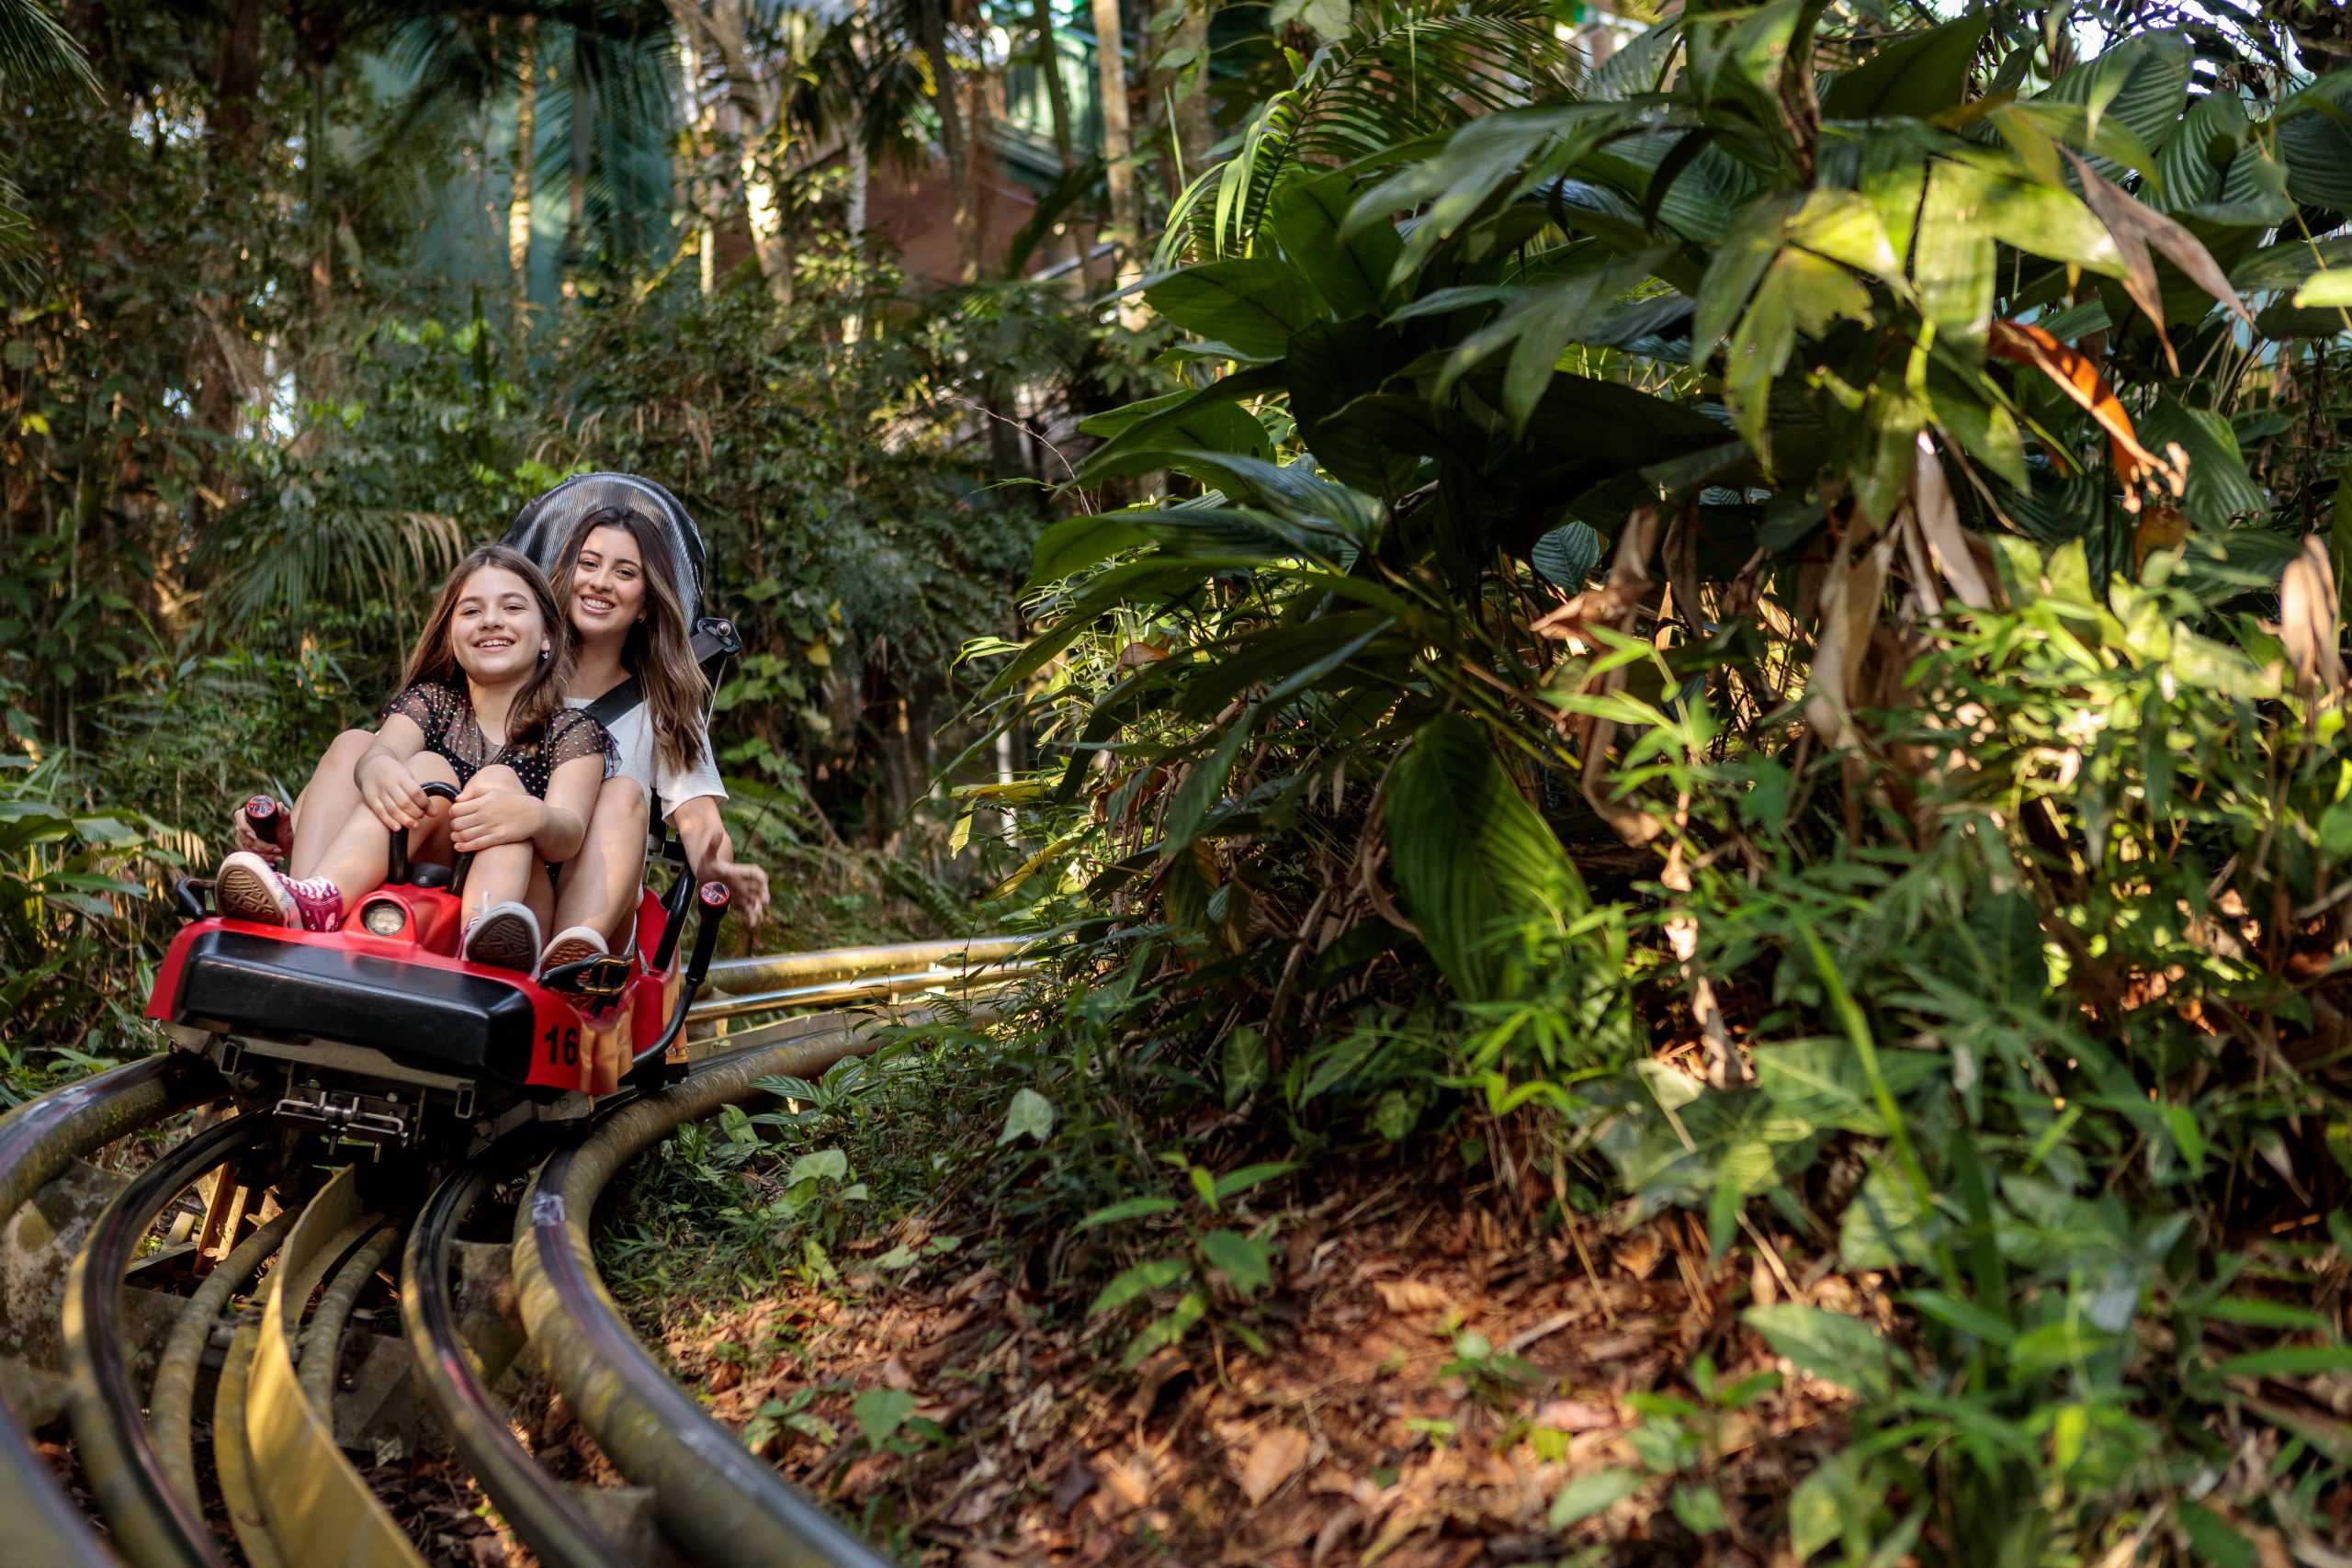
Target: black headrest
[{"x": 543, "y": 527}]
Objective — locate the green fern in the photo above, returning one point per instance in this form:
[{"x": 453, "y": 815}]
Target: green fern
[{"x": 1413, "y": 68}]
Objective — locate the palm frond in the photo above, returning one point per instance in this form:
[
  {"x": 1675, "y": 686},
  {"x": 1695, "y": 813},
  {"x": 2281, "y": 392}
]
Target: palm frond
[
  {"x": 37, "y": 53},
  {"x": 1411, "y": 70}
]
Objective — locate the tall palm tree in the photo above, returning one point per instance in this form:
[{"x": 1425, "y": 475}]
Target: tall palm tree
[{"x": 595, "y": 73}]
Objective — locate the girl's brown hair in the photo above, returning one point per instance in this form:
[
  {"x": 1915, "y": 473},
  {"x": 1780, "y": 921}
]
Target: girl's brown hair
[
  {"x": 660, "y": 650},
  {"x": 435, "y": 658}
]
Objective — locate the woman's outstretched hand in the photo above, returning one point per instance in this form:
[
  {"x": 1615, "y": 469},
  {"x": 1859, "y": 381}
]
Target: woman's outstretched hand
[{"x": 749, "y": 885}]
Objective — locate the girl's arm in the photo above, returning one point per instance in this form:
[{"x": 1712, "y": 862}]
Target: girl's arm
[
  {"x": 487, "y": 816},
  {"x": 711, "y": 853},
  {"x": 385, "y": 784}
]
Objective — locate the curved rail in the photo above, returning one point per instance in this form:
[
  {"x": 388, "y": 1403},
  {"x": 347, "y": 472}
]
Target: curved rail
[
  {"x": 318, "y": 1509},
  {"x": 960, "y": 955},
  {"x": 38, "y": 1140},
  {"x": 712, "y": 1495},
  {"x": 157, "y": 1524},
  {"x": 173, "y": 1400},
  {"x": 527, "y": 1497}
]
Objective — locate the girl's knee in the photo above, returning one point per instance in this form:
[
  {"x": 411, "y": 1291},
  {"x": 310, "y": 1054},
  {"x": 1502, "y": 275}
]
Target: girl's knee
[
  {"x": 430, "y": 767},
  {"x": 348, "y": 748},
  {"x": 498, "y": 775}
]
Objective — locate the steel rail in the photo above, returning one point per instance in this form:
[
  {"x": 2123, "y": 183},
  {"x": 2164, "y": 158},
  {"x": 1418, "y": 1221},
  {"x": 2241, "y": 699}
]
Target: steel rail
[
  {"x": 322, "y": 1348},
  {"x": 155, "y": 1524},
  {"x": 712, "y": 1496},
  {"x": 38, "y": 1141},
  {"x": 172, "y": 1403},
  {"x": 526, "y": 1497},
  {"x": 319, "y": 1511},
  {"x": 774, "y": 971},
  {"x": 874, "y": 988},
  {"x": 233, "y": 1457}
]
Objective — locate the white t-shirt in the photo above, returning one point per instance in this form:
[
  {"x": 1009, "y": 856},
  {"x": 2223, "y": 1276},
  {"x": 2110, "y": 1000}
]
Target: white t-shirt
[{"x": 633, "y": 733}]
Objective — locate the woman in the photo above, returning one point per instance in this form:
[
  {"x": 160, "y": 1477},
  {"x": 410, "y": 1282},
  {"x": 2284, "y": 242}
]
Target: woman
[
  {"x": 480, "y": 710},
  {"x": 618, "y": 588},
  {"x": 618, "y": 592}
]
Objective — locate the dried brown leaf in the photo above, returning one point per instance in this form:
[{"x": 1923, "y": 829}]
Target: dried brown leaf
[
  {"x": 2309, "y": 622},
  {"x": 2136, "y": 227},
  {"x": 2076, "y": 375},
  {"x": 2160, "y": 528},
  {"x": 1939, "y": 515},
  {"x": 1411, "y": 1295},
  {"x": 1273, "y": 1458},
  {"x": 1850, "y": 610}
]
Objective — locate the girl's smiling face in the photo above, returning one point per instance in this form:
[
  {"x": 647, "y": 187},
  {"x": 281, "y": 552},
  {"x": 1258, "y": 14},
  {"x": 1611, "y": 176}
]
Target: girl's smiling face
[
  {"x": 607, "y": 584},
  {"x": 497, "y": 633}
]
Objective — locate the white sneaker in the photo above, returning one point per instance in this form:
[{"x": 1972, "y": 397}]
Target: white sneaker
[
  {"x": 505, "y": 936},
  {"x": 571, "y": 945}
]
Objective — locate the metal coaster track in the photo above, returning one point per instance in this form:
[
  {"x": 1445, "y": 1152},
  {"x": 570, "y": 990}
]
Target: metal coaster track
[{"x": 291, "y": 1494}]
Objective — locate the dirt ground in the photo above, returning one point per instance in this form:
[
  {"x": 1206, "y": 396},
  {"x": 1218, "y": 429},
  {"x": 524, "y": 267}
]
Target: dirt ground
[{"x": 1364, "y": 1436}]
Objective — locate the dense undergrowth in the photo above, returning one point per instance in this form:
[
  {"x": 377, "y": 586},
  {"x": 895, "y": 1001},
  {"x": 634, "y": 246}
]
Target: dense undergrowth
[{"x": 1760, "y": 636}]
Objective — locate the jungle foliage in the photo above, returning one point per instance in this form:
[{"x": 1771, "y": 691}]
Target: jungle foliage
[
  {"x": 256, "y": 403},
  {"x": 1754, "y": 628}
]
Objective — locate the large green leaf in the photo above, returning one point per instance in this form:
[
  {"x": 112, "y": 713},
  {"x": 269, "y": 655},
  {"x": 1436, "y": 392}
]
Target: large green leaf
[
  {"x": 1253, "y": 303},
  {"x": 1828, "y": 1345},
  {"x": 2190, "y": 169},
  {"x": 2219, "y": 487},
  {"x": 2317, "y": 149},
  {"x": 1919, "y": 75},
  {"x": 1478, "y": 869},
  {"x": 2142, "y": 82},
  {"x": 1186, "y": 422},
  {"x": 1352, "y": 271}
]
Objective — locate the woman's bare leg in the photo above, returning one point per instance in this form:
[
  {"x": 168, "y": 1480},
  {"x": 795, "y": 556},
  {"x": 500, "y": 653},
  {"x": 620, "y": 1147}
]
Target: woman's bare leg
[
  {"x": 600, "y": 884},
  {"x": 327, "y": 802}
]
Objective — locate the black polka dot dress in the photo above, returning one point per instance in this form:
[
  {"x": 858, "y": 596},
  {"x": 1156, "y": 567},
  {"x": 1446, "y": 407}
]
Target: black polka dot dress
[{"x": 447, "y": 718}]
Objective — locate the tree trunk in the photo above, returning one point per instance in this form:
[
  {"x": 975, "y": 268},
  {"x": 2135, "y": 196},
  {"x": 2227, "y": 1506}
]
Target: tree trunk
[
  {"x": 237, "y": 77},
  {"x": 1049, "y": 61},
  {"x": 584, "y": 158},
  {"x": 931, "y": 24},
  {"x": 1196, "y": 126},
  {"x": 1118, "y": 151},
  {"x": 518, "y": 202},
  {"x": 755, "y": 113}
]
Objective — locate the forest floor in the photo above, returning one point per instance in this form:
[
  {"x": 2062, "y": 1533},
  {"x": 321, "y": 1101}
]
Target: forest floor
[{"x": 1441, "y": 1384}]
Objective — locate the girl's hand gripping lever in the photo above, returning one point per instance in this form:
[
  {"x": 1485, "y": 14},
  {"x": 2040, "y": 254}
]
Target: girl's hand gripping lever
[{"x": 397, "y": 872}]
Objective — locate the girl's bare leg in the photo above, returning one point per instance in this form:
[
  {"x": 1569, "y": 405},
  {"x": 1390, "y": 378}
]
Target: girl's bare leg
[
  {"x": 327, "y": 802},
  {"x": 360, "y": 851},
  {"x": 503, "y": 872},
  {"x": 600, "y": 883}
]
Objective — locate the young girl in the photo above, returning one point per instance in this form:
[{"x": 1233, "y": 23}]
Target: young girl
[
  {"x": 480, "y": 708},
  {"x": 617, "y": 583}
]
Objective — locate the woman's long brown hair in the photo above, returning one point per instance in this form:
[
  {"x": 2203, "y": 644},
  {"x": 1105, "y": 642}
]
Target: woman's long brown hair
[
  {"x": 660, "y": 650},
  {"x": 435, "y": 658}
]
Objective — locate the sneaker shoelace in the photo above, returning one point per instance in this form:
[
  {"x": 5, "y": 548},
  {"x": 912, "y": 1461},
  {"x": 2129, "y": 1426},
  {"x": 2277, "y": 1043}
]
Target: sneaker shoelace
[{"x": 318, "y": 900}]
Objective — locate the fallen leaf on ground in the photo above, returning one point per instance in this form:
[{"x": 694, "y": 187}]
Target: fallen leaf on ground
[
  {"x": 1273, "y": 1458},
  {"x": 1410, "y": 1295}
]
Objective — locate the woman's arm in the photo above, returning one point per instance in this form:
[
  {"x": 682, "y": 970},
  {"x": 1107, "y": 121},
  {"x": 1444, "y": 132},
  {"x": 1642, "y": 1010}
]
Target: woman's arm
[
  {"x": 571, "y": 796},
  {"x": 711, "y": 853}
]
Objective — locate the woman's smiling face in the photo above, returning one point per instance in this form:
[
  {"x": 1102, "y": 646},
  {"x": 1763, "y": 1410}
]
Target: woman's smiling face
[
  {"x": 607, "y": 584},
  {"x": 497, "y": 633}
]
